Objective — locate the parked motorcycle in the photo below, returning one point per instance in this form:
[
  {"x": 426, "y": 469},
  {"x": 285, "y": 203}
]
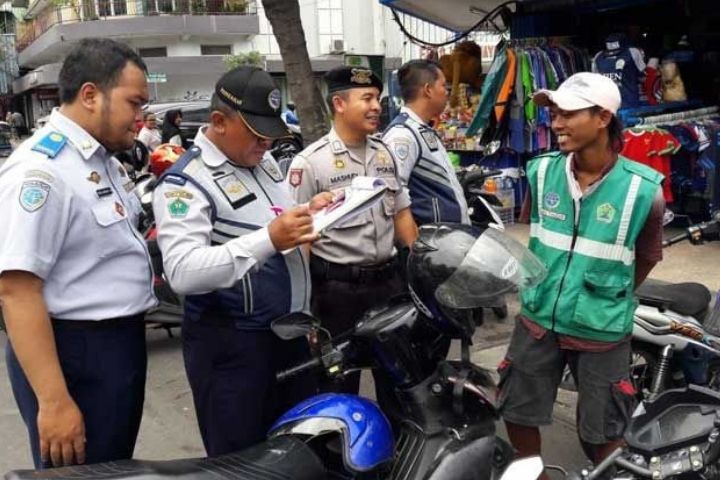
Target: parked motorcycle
[
  {"x": 676, "y": 436},
  {"x": 676, "y": 336},
  {"x": 447, "y": 412}
]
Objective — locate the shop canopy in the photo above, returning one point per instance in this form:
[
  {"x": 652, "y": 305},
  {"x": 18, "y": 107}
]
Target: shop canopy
[{"x": 461, "y": 15}]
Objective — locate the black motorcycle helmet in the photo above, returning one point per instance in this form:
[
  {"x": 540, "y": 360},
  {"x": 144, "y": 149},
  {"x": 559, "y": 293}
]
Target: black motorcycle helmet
[{"x": 453, "y": 269}]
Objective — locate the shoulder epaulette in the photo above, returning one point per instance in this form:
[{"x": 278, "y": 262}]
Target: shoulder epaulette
[
  {"x": 317, "y": 145},
  {"x": 648, "y": 173},
  {"x": 51, "y": 144}
]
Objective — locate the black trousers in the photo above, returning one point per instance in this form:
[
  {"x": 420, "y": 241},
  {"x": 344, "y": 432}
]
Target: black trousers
[
  {"x": 232, "y": 377},
  {"x": 104, "y": 369}
]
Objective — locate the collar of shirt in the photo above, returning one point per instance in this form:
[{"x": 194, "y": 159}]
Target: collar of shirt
[
  {"x": 211, "y": 154},
  {"x": 78, "y": 136},
  {"x": 575, "y": 190},
  {"x": 410, "y": 113}
]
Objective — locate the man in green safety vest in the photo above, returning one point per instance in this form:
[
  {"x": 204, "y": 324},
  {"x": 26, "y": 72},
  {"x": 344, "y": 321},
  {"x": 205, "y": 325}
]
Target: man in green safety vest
[{"x": 596, "y": 223}]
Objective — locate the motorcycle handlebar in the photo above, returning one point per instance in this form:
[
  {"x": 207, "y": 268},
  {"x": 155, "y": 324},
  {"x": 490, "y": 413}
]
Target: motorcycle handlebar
[
  {"x": 675, "y": 239},
  {"x": 297, "y": 369}
]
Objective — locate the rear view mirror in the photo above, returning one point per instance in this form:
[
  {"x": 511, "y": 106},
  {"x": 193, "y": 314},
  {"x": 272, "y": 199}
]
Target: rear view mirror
[
  {"x": 293, "y": 325},
  {"x": 528, "y": 468},
  {"x": 668, "y": 217}
]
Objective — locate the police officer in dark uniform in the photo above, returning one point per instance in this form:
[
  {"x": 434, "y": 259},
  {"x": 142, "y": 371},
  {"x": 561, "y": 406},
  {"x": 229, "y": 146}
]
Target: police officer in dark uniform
[
  {"x": 353, "y": 265},
  {"x": 229, "y": 235},
  {"x": 75, "y": 276}
]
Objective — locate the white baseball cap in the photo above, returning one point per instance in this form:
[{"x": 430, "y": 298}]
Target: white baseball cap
[{"x": 582, "y": 90}]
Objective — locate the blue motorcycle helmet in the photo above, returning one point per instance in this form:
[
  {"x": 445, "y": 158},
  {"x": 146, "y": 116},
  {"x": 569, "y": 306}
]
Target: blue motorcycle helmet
[{"x": 365, "y": 433}]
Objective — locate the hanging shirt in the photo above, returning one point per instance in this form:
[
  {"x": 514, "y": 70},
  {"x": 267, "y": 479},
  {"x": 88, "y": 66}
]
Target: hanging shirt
[
  {"x": 654, "y": 148},
  {"x": 623, "y": 66}
]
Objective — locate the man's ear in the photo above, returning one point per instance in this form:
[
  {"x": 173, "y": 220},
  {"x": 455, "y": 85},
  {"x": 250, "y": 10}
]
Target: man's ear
[
  {"x": 338, "y": 104},
  {"x": 605, "y": 117},
  {"x": 218, "y": 121},
  {"x": 90, "y": 96}
]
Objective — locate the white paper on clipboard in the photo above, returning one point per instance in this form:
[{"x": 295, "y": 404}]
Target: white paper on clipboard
[{"x": 362, "y": 194}]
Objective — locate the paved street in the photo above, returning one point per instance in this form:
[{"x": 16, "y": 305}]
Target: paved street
[{"x": 169, "y": 430}]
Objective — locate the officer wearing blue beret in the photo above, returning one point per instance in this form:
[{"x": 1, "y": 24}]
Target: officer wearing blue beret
[{"x": 75, "y": 276}]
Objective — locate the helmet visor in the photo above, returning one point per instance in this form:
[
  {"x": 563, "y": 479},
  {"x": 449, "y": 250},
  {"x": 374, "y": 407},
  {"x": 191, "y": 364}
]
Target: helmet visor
[{"x": 495, "y": 264}]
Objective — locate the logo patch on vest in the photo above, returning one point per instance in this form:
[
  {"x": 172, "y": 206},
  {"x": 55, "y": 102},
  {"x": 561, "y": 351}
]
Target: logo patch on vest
[
  {"x": 605, "y": 213},
  {"x": 234, "y": 190},
  {"x": 551, "y": 214},
  {"x": 430, "y": 138},
  {"x": 552, "y": 200}
]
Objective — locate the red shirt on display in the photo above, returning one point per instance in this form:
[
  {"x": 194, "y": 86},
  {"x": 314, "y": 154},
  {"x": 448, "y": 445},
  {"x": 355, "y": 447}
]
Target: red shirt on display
[{"x": 652, "y": 147}]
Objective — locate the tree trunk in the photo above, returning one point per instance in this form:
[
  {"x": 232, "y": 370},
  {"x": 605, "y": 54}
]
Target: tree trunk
[{"x": 284, "y": 17}]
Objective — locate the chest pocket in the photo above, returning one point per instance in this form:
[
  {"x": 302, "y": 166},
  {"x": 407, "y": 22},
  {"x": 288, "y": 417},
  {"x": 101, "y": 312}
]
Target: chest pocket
[{"x": 111, "y": 235}]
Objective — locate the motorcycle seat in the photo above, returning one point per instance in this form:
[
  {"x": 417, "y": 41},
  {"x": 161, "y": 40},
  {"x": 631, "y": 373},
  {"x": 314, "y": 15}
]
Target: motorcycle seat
[
  {"x": 277, "y": 459},
  {"x": 691, "y": 299}
]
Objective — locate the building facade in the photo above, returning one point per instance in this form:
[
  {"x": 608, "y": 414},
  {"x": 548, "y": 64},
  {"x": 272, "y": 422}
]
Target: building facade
[{"x": 184, "y": 42}]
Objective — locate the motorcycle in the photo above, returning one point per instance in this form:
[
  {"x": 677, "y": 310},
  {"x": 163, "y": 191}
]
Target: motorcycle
[
  {"x": 676, "y": 436},
  {"x": 676, "y": 336},
  {"x": 446, "y": 415}
]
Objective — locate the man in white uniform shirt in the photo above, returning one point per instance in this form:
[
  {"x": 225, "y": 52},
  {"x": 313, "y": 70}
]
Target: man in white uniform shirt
[{"x": 75, "y": 276}]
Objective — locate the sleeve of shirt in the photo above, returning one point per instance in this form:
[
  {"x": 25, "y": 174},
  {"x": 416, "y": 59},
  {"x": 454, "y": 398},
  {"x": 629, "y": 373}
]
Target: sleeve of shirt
[
  {"x": 403, "y": 146},
  {"x": 192, "y": 265},
  {"x": 300, "y": 180},
  {"x": 648, "y": 245},
  {"x": 176, "y": 140},
  {"x": 638, "y": 59},
  {"x": 36, "y": 213}
]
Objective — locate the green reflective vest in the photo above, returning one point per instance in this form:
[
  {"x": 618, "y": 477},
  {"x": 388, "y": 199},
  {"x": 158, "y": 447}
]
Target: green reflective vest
[{"x": 588, "y": 247}]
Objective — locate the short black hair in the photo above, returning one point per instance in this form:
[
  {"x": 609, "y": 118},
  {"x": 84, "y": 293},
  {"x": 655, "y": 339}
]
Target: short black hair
[
  {"x": 217, "y": 104},
  {"x": 414, "y": 74},
  {"x": 340, "y": 93},
  {"x": 615, "y": 131},
  {"x": 95, "y": 60}
]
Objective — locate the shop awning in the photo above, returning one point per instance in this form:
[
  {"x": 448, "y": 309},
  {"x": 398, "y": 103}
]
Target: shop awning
[
  {"x": 460, "y": 15},
  {"x": 457, "y": 15}
]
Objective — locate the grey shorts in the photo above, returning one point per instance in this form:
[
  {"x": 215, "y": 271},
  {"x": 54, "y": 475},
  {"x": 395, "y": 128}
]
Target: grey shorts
[{"x": 531, "y": 373}]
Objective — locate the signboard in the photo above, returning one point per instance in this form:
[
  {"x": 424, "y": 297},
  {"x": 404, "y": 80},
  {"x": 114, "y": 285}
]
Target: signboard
[{"x": 156, "y": 77}]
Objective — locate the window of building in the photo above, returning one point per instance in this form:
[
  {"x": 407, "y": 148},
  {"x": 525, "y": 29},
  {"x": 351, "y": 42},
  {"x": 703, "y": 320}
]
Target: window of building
[
  {"x": 152, "y": 52},
  {"x": 215, "y": 49},
  {"x": 265, "y": 42},
  {"x": 330, "y": 25}
]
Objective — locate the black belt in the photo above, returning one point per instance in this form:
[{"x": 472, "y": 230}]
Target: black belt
[
  {"x": 99, "y": 324},
  {"x": 323, "y": 270}
]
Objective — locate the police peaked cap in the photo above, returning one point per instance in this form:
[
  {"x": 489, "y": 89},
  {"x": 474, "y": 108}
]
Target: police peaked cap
[{"x": 344, "y": 78}]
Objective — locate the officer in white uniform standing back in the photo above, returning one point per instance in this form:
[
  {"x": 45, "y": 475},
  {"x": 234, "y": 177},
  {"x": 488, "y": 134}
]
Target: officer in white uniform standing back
[
  {"x": 75, "y": 276},
  {"x": 224, "y": 216},
  {"x": 423, "y": 163}
]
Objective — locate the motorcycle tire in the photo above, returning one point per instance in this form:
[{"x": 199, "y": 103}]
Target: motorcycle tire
[{"x": 500, "y": 312}]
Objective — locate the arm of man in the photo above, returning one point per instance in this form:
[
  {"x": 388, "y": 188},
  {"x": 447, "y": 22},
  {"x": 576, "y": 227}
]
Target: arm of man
[
  {"x": 36, "y": 216},
  {"x": 404, "y": 148},
  {"x": 648, "y": 246},
  {"x": 60, "y": 423},
  {"x": 185, "y": 232}
]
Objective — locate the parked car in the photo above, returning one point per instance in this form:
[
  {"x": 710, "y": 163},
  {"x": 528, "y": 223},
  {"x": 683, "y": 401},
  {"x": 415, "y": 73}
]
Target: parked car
[{"x": 194, "y": 115}]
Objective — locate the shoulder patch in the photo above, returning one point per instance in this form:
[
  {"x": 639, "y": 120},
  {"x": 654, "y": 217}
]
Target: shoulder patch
[
  {"x": 33, "y": 195},
  {"x": 644, "y": 171},
  {"x": 51, "y": 144}
]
